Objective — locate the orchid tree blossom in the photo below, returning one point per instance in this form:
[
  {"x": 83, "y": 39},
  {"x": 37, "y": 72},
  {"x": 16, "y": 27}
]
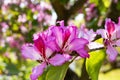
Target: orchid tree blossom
[
  {"x": 41, "y": 53},
  {"x": 111, "y": 38},
  {"x": 90, "y": 36},
  {"x": 67, "y": 40},
  {"x": 54, "y": 46}
]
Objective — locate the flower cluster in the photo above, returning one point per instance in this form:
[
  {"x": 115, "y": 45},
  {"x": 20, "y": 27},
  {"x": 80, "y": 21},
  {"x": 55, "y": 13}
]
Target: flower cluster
[
  {"x": 111, "y": 35},
  {"x": 59, "y": 44},
  {"x": 55, "y": 46}
]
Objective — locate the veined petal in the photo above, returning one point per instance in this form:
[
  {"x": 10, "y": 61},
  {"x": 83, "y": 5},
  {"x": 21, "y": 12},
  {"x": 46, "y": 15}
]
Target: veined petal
[
  {"x": 83, "y": 53},
  {"x": 57, "y": 60},
  {"x": 117, "y": 43},
  {"x": 91, "y": 35},
  {"x": 40, "y": 45},
  {"x": 58, "y": 33},
  {"x": 78, "y": 43},
  {"x": 94, "y": 45},
  {"x": 53, "y": 45},
  {"x": 111, "y": 52},
  {"x": 37, "y": 71},
  {"x": 103, "y": 33},
  {"x": 67, "y": 56},
  {"x": 109, "y": 26},
  {"x": 73, "y": 33},
  {"x": 29, "y": 51},
  {"x": 48, "y": 52}
]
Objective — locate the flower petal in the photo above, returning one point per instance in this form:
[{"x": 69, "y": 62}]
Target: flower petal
[
  {"x": 102, "y": 32},
  {"x": 67, "y": 56},
  {"x": 29, "y": 51},
  {"x": 48, "y": 52},
  {"x": 118, "y": 42},
  {"x": 95, "y": 45},
  {"x": 39, "y": 44},
  {"x": 53, "y": 45},
  {"x": 73, "y": 33},
  {"x": 77, "y": 43},
  {"x": 111, "y": 52},
  {"x": 83, "y": 53},
  {"x": 57, "y": 60},
  {"x": 58, "y": 33},
  {"x": 109, "y": 26},
  {"x": 37, "y": 71}
]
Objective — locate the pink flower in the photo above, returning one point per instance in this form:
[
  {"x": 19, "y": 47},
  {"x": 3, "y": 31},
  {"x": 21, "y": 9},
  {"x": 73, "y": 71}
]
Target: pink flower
[
  {"x": 22, "y": 18},
  {"x": 111, "y": 35},
  {"x": 42, "y": 53},
  {"x": 90, "y": 36},
  {"x": 87, "y": 34},
  {"x": 67, "y": 40},
  {"x": 54, "y": 47}
]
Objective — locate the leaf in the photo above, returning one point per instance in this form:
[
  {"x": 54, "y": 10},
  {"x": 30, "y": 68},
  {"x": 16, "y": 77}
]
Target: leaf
[
  {"x": 57, "y": 72},
  {"x": 106, "y": 3},
  {"x": 94, "y": 1},
  {"x": 94, "y": 63},
  {"x": 43, "y": 76}
]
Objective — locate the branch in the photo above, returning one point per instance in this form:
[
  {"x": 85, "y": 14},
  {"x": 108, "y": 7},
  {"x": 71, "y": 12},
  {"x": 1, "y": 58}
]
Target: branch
[
  {"x": 59, "y": 9},
  {"x": 76, "y": 7},
  {"x": 63, "y": 13},
  {"x": 96, "y": 49}
]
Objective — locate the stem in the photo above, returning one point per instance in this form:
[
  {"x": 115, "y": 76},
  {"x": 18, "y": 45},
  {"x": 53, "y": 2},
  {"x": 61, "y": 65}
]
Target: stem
[{"x": 84, "y": 75}]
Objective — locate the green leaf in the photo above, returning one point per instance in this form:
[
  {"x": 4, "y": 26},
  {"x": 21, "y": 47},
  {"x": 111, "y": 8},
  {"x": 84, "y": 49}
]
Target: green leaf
[
  {"x": 94, "y": 63},
  {"x": 57, "y": 72},
  {"x": 43, "y": 76},
  {"x": 94, "y": 1},
  {"x": 106, "y": 3}
]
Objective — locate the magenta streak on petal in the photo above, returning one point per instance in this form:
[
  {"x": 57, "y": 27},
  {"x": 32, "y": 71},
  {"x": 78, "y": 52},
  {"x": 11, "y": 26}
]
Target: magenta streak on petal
[
  {"x": 58, "y": 33},
  {"x": 110, "y": 26},
  {"x": 39, "y": 44},
  {"x": 73, "y": 33},
  {"x": 38, "y": 71},
  {"x": 66, "y": 36}
]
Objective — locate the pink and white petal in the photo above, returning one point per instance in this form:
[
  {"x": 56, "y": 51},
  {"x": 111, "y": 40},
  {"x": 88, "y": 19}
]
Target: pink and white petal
[
  {"x": 118, "y": 20},
  {"x": 103, "y": 33},
  {"x": 29, "y": 51},
  {"x": 78, "y": 43},
  {"x": 48, "y": 52},
  {"x": 73, "y": 33},
  {"x": 58, "y": 33},
  {"x": 112, "y": 53},
  {"x": 40, "y": 45},
  {"x": 83, "y": 53},
  {"x": 57, "y": 60},
  {"x": 38, "y": 71},
  {"x": 114, "y": 35},
  {"x": 91, "y": 35},
  {"x": 67, "y": 56},
  {"x": 109, "y": 26},
  {"x": 95, "y": 45},
  {"x": 66, "y": 35},
  {"x": 53, "y": 45},
  {"x": 118, "y": 42},
  {"x": 118, "y": 31}
]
